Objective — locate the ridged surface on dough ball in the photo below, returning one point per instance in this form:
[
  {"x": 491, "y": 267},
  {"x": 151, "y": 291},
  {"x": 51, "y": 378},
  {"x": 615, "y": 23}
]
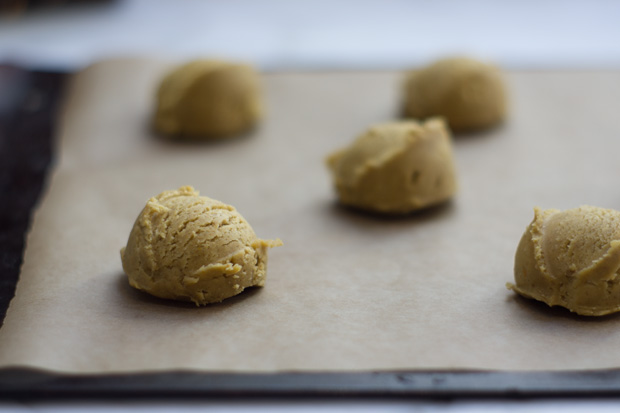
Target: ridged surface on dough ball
[
  {"x": 571, "y": 259},
  {"x": 188, "y": 247}
]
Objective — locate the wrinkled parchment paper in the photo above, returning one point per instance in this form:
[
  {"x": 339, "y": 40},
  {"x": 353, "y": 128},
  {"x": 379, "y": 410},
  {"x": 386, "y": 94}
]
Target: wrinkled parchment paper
[{"x": 347, "y": 291}]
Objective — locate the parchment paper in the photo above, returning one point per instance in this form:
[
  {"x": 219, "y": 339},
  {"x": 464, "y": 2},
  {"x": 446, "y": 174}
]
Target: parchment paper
[{"x": 347, "y": 291}]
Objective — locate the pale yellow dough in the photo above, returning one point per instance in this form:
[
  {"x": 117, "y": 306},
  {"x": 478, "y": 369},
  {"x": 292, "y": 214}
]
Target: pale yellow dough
[
  {"x": 396, "y": 167},
  {"x": 207, "y": 99},
  {"x": 572, "y": 259},
  {"x": 469, "y": 94},
  {"x": 192, "y": 248}
]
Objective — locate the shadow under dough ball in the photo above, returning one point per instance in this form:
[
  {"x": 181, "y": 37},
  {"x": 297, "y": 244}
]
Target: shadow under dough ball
[
  {"x": 396, "y": 168},
  {"x": 193, "y": 248},
  {"x": 208, "y": 99},
  {"x": 572, "y": 259},
  {"x": 469, "y": 94}
]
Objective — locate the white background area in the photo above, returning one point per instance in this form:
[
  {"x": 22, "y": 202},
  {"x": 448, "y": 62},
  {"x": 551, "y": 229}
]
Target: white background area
[{"x": 321, "y": 34}]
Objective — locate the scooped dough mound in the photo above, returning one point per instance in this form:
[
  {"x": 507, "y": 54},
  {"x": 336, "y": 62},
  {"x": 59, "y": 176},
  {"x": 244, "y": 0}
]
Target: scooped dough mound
[
  {"x": 572, "y": 259},
  {"x": 396, "y": 167},
  {"x": 192, "y": 248},
  {"x": 469, "y": 94},
  {"x": 207, "y": 99}
]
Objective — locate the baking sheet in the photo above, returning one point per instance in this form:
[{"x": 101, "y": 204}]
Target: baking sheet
[{"x": 347, "y": 291}]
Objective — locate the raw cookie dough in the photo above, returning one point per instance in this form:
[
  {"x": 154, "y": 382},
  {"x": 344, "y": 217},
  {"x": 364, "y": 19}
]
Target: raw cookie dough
[
  {"x": 192, "y": 248},
  {"x": 396, "y": 167},
  {"x": 571, "y": 258},
  {"x": 208, "y": 98},
  {"x": 469, "y": 94}
]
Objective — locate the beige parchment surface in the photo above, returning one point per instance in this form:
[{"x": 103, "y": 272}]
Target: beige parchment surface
[{"x": 347, "y": 291}]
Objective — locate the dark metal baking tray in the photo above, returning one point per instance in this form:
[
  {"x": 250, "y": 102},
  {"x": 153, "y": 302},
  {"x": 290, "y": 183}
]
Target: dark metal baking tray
[{"x": 29, "y": 104}]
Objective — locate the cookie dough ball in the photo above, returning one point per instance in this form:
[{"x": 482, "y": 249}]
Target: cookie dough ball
[
  {"x": 396, "y": 167},
  {"x": 207, "y": 99},
  {"x": 571, "y": 258},
  {"x": 469, "y": 94},
  {"x": 192, "y": 248}
]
